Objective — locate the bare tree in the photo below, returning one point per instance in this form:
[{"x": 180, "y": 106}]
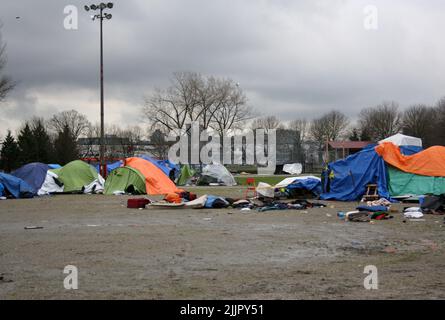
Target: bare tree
[
  {"x": 214, "y": 103},
  {"x": 171, "y": 108},
  {"x": 381, "y": 121},
  {"x": 439, "y": 124},
  {"x": 6, "y": 83},
  {"x": 129, "y": 139},
  {"x": 267, "y": 123},
  {"x": 159, "y": 144},
  {"x": 418, "y": 121},
  {"x": 77, "y": 123},
  {"x": 329, "y": 127},
  {"x": 232, "y": 110},
  {"x": 300, "y": 126},
  {"x": 300, "y": 129}
]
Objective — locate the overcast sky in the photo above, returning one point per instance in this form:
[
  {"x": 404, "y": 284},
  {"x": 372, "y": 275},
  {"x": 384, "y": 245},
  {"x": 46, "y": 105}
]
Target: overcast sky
[{"x": 293, "y": 58}]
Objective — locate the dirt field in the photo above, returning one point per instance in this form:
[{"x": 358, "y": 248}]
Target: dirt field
[{"x": 212, "y": 254}]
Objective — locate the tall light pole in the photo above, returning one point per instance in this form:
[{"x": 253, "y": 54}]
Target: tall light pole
[{"x": 101, "y": 16}]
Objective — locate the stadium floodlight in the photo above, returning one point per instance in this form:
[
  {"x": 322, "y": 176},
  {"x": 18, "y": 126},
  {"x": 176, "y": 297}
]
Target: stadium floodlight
[{"x": 103, "y": 15}]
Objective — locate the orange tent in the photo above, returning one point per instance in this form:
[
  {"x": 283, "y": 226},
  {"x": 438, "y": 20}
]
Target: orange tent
[
  {"x": 430, "y": 162},
  {"x": 156, "y": 182}
]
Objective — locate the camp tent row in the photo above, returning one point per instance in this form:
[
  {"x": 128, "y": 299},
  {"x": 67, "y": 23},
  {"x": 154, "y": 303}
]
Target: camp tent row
[
  {"x": 397, "y": 165},
  {"x": 137, "y": 175},
  {"x": 37, "y": 179},
  {"x": 144, "y": 176}
]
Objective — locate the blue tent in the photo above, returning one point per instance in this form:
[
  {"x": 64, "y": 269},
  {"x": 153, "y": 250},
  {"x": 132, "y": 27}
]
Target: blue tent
[
  {"x": 111, "y": 166},
  {"x": 165, "y": 165},
  {"x": 54, "y": 166},
  {"x": 310, "y": 184},
  {"x": 2, "y": 188},
  {"x": 33, "y": 174},
  {"x": 15, "y": 186},
  {"x": 346, "y": 179}
]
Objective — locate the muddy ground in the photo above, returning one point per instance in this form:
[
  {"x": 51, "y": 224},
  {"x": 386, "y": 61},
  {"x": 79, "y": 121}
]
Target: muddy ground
[{"x": 124, "y": 253}]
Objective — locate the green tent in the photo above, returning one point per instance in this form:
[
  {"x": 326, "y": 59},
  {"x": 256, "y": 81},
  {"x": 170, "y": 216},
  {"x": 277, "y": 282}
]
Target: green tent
[
  {"x": 125, "y": 179},
  {"x": 75, "y": 175},
  {"x": 403, "y": 183},
  {"x": 186, "y": 174}
]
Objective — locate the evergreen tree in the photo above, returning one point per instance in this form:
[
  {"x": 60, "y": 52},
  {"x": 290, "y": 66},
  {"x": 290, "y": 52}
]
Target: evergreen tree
[
  {"x": 26, "y": 145},
  {"x": 43, "y": 148},
  {"x": 65, "y": 146},
  {"x": 354, "y": 135},
  {"x": 365, "y": 136},
  {"x": 9, "y": 155}
]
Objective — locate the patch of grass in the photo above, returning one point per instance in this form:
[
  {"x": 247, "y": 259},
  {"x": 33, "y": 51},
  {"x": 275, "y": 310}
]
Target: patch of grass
[{"x": 272, "y": 180}]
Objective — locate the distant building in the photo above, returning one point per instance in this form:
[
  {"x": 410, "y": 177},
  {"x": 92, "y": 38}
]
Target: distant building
[
  {"x": 343, "y": 149},
  {"x": 115, "y": 147}
]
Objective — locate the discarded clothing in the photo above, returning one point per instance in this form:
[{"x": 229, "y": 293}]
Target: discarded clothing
[
  {"x": 380, "y": 202},
  {"x": 361, "y": 216},
  {"x": 276, "y": 206},
  {"x": 308, "y": 204},
  {"x": 216, "y": 202},
  {"x": 372, "y": 208}
]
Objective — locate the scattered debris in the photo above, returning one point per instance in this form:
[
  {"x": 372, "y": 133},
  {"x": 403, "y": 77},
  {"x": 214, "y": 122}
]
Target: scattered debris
[
  {"x": 413, "y": 212},
  {"x": 33, "y": 228}
]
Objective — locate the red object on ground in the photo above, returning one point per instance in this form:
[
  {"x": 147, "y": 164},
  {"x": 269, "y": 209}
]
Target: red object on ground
[
  {"x": 137, "y": 203},
  {"x": 250, "y": 187}
]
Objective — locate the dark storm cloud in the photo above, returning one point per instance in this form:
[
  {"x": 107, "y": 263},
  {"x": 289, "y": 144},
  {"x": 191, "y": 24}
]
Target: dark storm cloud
[{"x": 293, "y": 57}]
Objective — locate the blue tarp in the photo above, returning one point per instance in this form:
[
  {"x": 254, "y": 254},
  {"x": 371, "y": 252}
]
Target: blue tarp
[
  {"x": 410, "y": 150},
  {"x": 1, "y": 190},
  {"x": 310, "y": 184},
  {"x": 165, "y": 165},
  {"x": 111, "y": 166},
  {"x": 211, "y": 199},
  {"x": 16, "y": 186},
  {"x": 54, "y": 166},
  {"x": 33, "y": 174},
  {"x": 346, "y": 179}
]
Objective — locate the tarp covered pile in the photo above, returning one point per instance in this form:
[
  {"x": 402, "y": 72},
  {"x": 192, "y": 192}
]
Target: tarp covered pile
[
  {"x": 15, "y": 187},
  {"x": 395, "y": 168},
  {"x": 308, "y": 183}
]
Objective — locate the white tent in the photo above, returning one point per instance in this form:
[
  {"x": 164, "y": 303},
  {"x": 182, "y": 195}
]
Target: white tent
[
  {"x": 402, "y": 140},
  {"x": 219, "y": 172}
]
